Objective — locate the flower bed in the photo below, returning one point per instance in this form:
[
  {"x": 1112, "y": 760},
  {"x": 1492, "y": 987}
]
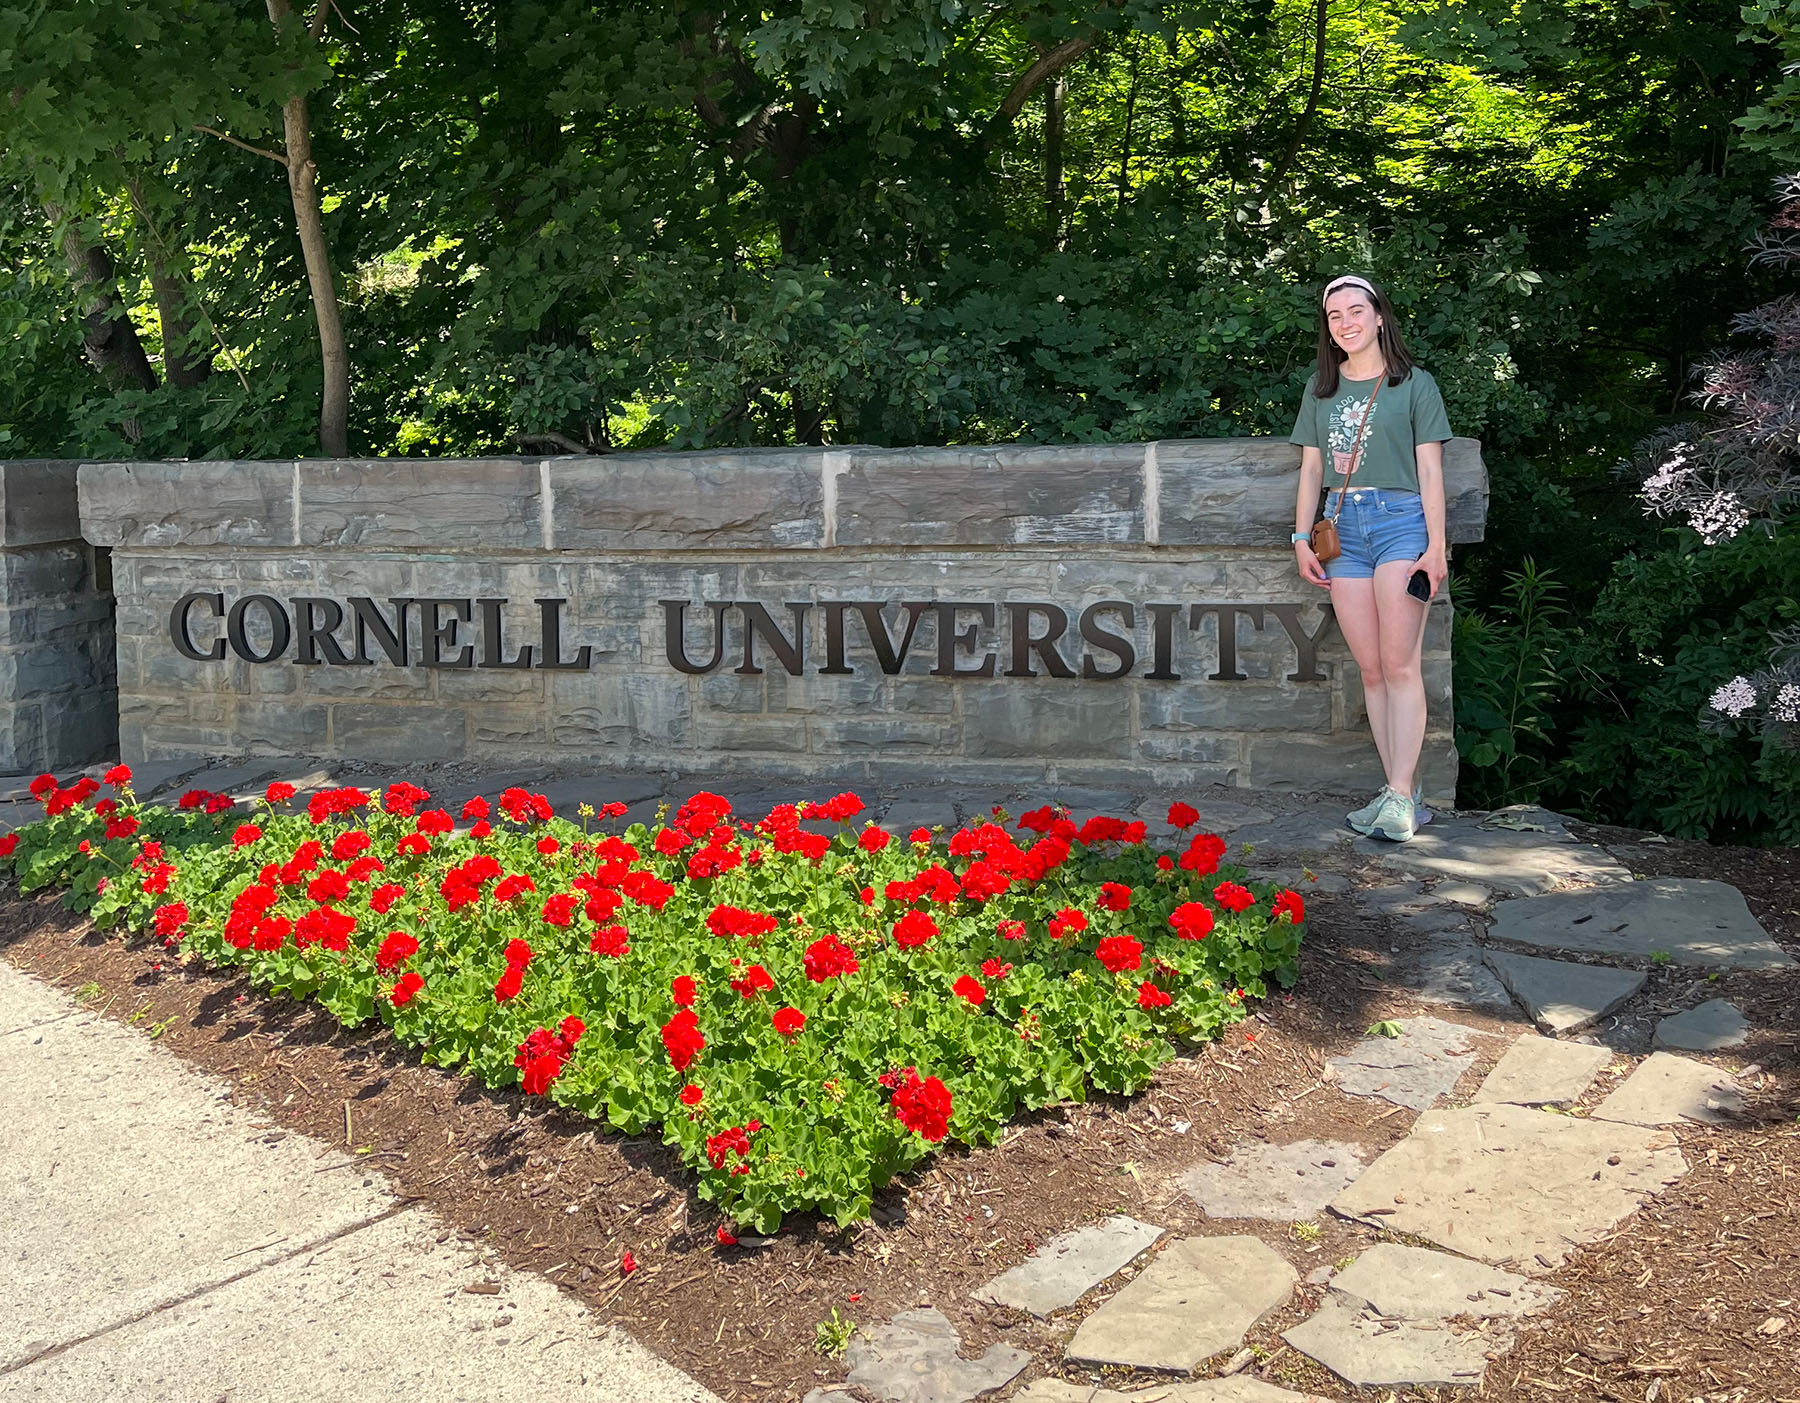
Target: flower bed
[{"x": 804, "y": 1013}]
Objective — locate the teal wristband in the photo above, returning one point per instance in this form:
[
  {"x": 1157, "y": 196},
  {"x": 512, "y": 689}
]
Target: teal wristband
[{"x": 1300, "y": 536}]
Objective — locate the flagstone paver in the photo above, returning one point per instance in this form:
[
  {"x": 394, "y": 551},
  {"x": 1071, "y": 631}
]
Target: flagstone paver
[
  {"x": 1666, "y": 1088},
  {"x": 915, "y": 1359},
  {"x": 1238, "y": 1389},
  {"x": 1543, "y": 1072},
  {"x": 1472, "y": 894},
  {"x": 1449, "y": 970},
  {"x": 1714, "y": 1026},
  {"x": 1412, "y": 1070},
  {"x": 1506, "y": 1183},
  {"x": 1303, "y": 880},
  {"x": 1062, "y": 1271},
  {"x": 1420, "y": 1284},
  {"x": 1518, "y": 863},
  {"x": 1317, "y": 829},
  {"x": 1198, "y": 1297},
  {"x": 1281, "y": 1182},
  {"x": 1350, "y": 1338},
  {"x": 1561, "y": 996},
  {"x": 1692, "y": 921}
]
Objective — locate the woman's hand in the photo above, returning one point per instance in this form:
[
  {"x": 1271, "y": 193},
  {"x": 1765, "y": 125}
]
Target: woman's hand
[
  {"x": 1310, "y": 569},
  {"x": 1436, "y": 567}
]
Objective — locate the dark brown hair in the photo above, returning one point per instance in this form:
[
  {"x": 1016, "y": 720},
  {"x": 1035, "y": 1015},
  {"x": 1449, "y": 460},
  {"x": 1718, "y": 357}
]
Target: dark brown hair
[{"x": 1393, "y": 345}]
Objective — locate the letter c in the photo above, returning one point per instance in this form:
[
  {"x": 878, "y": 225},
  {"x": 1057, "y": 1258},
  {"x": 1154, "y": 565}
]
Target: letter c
[{"x": 178, "y": 627}]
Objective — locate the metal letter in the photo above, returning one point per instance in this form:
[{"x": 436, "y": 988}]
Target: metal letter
[
  {"x": 280, "y": 631},
  {"x": 675, "y": 634},
  {"x": 758, "y": 624},
  {"x": 391, "y": 638},
  {"x": 1162, "y": 642},
  {"x": 493, "y": 648},
  {"x": 1305, "y": 644},
  {"x": 1228, "y": 617},
  {"x": 551, "y": 659},
  {"x": 437, "y": 634},
  {"x": 315, "y": 636},
  {"x": 1023, "y": 644},
  {"x": 1115, "y": 643},
  {"x": 178, "y": 627},
  {"x": 949, "y": 640}
]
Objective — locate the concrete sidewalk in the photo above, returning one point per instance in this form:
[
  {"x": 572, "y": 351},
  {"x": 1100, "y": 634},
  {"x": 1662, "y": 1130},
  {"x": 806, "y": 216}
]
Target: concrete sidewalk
[{"x": 158, "y": 1243}]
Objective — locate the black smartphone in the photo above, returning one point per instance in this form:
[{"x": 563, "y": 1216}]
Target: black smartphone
[{"x": 1419, "y": 586}]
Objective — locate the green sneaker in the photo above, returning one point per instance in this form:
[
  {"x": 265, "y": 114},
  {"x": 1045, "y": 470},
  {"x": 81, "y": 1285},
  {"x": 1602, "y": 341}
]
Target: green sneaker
[
  {"x": 1360, "y": 819},
  {"x": 1394, "y": 820}
]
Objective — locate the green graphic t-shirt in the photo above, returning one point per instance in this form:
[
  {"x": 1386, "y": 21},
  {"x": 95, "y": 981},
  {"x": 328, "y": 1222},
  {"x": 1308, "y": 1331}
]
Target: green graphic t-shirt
[{"x": 1406, "y": 415}]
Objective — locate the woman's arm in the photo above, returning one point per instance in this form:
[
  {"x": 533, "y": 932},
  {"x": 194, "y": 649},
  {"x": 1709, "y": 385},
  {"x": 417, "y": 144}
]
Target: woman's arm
[
  {"x": 1306, "y": 507},
  {"x": 1435, "y": 562}
]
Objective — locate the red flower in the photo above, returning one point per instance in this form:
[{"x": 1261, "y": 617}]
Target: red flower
[
  {"x": 548, "y": 846},
  {"x": 839, "y": 809},
  {"x": 684, "y": 991},
  {"x": 515, "y": 885},
  {"x": 329, "y": 885},
  {"x": 1191, "y": 920},
  {"x": 270, "y": 934},
  {"x": 691, "y": 1095},
  {"x": 627, "y": 1264},
  {"x": 1115, "y": 896},
  {"x": 647, "y": 890},
  {"x": 969, "y": 988},
  {"x": 327, "y": 926},
  {"x": 1165, "y": 863},
  {"x": 118, "y": 776},
  {"x": 1149, "y": 996},
  {"x": 434, "y": 823},
  {"x": 1119, "y": 952},
  {"x": 518, "y": 953},
  {"x": 404, "y": 988},
  {"x": 1233, "y": 897},
  {"x": 382, "y": 899},
  {"x": 475, "y": 808},
  {"x": 1069, "y": 920},
  {"x": 413, "y": 845},
  {"x": 725, "y": 1239},
  {"x": 788, "y": 1022},
  {"x": 329, "y": 803},
  {"x": 541, "y": 1056},
  {"x": 874, "y": 839},
  {"x": 920, "y": 836},
  {"x": 827, "y": 957},
  {"x": 397, "y": 949},
  {"x": 193, "y": 799},
  {"x": 42, "y": 785},
  {"x": 1183, "y": 815},
  {"x": 278, "y": 793},
  {"x": 993, "y": 969},
  {"x": 350, "y": 845},
  {"x": 8, "y": 843},
  {"x": 914, "y": 929},
  {"x": 403, "y": 798},
  {"x": 612, "y": 941},
  {"x": 559, "y": 910},
  {"x": 171, "y": 918},
  {"x": 480, "y": 828},
  {"x": 923, "y": 1107},
  {"x": 735, "y": 921},
  {"x": 122, "y": 827},
  {"x": 1203, "y": 854},
  {"x": 682, "y": 1038},
  {"x": 1011, "y": 930},
  {"x": 735, "y": 1140},
  {"x": 1289, "y": 904},
  {"x": 866, "y": 896},
  {"x": 754, "y": 980},
  {"x": 509, "y": 984},
  {"x": 245, "y": 835}
]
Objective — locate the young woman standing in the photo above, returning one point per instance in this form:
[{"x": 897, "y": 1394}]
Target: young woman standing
[{"x": 1371, "y": 430}]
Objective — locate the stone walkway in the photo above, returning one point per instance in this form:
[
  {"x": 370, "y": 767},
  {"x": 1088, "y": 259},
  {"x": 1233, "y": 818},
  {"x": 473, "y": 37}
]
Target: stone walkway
[{"x": 1501, "y": 1188}]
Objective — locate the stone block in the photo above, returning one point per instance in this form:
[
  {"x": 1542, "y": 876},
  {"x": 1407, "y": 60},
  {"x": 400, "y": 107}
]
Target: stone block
[
  {"x": 857, "y": 735},
  {"x": 187, "y": 504},
  {"x": 765, "y": 735},
  {"x": 747, "y": 500},
  {"x": 1065, "y": 1269},
  {"x": 397, "y": 733},
  {"x": 1071, "y": 722},
  {"x": 38, "y": 502},
  {"x": 1561, "y": 996},
  {"x": 1543, "y": 1072},
  {"x": 1235, "y": 706},
  {"x": 1333, "y": 763},
  {"x": 279, "y": 728},
  {"x": 620, "y": 710},
  {"x": 1064, "y": 494},
  {"x": 437, "y": 503},
  {"x": 1665, "y": 1089},
  {"x": 1714, "y": 1026}
]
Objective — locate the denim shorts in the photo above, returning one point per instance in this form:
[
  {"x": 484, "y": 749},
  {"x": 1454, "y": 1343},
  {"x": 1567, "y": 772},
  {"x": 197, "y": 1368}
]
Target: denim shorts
[{"x": 1377, "y": 524}]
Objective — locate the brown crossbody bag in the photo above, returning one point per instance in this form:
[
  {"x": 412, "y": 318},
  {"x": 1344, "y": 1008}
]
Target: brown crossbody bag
[{"x": 1325, "y": 543}]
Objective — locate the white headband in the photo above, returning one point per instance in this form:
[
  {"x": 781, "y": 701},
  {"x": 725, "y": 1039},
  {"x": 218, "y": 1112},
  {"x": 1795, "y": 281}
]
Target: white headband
[{"x": 1348, "y": 281}]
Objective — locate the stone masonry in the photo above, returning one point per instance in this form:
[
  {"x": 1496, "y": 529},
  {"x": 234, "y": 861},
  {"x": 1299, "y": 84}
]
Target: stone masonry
[
  {"x": 845, "y": 612},
  {"x": 57, "y": 697}
]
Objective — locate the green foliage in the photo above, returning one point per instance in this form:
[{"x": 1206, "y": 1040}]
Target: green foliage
[
  {"x": 1032, "y": 972},
  {"x": 1507, "y": 674}
]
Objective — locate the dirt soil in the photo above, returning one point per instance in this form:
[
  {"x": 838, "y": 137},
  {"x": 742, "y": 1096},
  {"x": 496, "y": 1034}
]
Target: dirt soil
[{"x": 1695, "y": 1298}]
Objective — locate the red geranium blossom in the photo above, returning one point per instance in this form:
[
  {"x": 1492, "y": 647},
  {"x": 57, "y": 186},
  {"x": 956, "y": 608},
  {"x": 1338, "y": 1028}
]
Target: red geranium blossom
[
  {"x": 913, "y": 929},
  {"x": 279, "y": 792},
  {"x": 753, "y": 981},
  {"x": 1233, "y": 897},
  {"x": 171, "y": 918},
  {"x": 735, "y": 921},
  {"x": 404, "y": 988},
  {"x": 684, "y": 990},
  {"x": 1289, "y": 904},
  {"x": 434, "y": 823},
  {"x": 873, "y": 839},
  {"x": 1115, "y": 896},
  {"x": 725, "y": 1239},
  {"x": 245, "y": 834},
  {"x": 350, "y": 844},
  {"x": 118, "y": 776},
  {"x": 610, "y": 941},
  {"x": 548, "y": 846},
  {"x": 923, "y": 1107},
  {"x": 403, "y": 798},
  {"x": 1011, "y": 930},
  {"x": 508, "y": 986},
  {"x": 397, "y": 949},
  {"x": 559, "y": 910},
  {"x": 1183, "y": 815},
  {"x": 920, "y": 837},
  {"x": 788, "y": 1022},
  {"x": 329, "y": 885},
  {"x": 1203, "y": 854},
  {"x": 1149, "y": 996},
  {"x": 647, "y": 890},
  {"x": 827, "y": 957},
  {"x": 382, "y": 899},
  {"x": 1069, "y": 920},
  {"x": 1119, "y": 952},
  {"x": 993, "y": 969},
  {"x": 682, "y": 1038},
  {"x": 413, "y": 845},
  {"x": 1165, "y": 863},
  {"x": 1191, "y": 920},
  {"x": 691, "y": 1095},
  {"x": 969, "y": 988}
]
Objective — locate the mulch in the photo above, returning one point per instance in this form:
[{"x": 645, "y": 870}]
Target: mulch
[{"x": 1697, "y": 1297}]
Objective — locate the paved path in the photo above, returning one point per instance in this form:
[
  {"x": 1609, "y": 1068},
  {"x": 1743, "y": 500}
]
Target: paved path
[{"x": 158, "y": 1243}]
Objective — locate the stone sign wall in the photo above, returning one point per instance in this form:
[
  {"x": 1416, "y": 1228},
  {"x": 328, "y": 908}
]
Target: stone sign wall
[
  {"x": 57, "y": 704},
  {"x": 1096, "y": 612}
]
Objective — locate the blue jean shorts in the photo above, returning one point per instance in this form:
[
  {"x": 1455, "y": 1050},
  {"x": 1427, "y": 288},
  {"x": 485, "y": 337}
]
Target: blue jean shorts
[{"x": 1376, "y": 525}]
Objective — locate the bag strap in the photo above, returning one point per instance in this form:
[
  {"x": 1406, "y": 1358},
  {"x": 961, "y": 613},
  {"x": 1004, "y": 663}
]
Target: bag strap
[{"x": 1356, "y": 449}]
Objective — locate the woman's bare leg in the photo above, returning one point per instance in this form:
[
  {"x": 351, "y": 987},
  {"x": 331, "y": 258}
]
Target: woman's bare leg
[{"x": 1401, "y": 630}]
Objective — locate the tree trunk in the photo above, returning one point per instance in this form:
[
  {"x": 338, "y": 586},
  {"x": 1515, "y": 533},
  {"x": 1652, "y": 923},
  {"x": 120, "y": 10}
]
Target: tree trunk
[
  {"x": 107, "y": 335},
  {"x": 1131, "y": 93},
  {"x": 1054, "y": 98},
  {"x": 334, "y": 410},
  {"x": 1320, "y": 14}
]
